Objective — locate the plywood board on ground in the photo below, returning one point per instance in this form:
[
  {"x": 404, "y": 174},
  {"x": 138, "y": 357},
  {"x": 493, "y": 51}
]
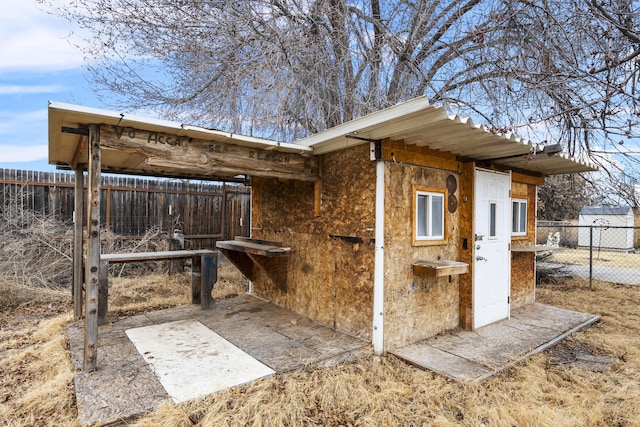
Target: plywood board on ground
[{"x": 191, "y": 361}]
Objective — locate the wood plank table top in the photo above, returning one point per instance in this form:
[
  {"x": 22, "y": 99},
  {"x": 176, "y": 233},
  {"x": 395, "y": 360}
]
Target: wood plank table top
[
  {"x": 152, "y": 256},
  {"x": 253, "y": 248}
]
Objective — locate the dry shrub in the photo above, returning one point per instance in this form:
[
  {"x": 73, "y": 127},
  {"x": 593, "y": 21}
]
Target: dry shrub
[
  {"x": 35, "y": 253},
  {"x": 154, "y": 240}
]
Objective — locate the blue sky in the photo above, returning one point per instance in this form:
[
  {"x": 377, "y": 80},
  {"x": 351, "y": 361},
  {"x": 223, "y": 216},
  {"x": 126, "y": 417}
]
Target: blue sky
[{"x": 37, "y": 64}]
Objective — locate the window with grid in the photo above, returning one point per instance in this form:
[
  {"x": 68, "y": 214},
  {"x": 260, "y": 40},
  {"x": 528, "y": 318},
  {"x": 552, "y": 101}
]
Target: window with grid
[
  {"x": 519, "y": 217},
  {"x": 429, "y": 216}
]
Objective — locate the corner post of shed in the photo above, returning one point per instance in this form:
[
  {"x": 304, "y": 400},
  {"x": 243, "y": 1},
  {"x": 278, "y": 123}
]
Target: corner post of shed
[
  {"x": 92, "y": 269},
  {"x": 78, "y": 218},
  {"x": 378, "y": 278}
]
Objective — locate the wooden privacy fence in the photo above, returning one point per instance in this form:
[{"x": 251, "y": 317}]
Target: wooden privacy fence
[{"x": 204, "y": 211}]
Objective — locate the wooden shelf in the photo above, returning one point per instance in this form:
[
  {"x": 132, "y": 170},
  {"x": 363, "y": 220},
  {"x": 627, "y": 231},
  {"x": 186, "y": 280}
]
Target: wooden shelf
[
  {"x": 249, "y": 255},
  {"x": 253, "y": 248},
  {"x": 440, "y": 268}
]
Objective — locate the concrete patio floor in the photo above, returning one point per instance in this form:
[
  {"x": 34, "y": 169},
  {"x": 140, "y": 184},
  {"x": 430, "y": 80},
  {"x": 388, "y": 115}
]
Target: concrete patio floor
[
  {"x": 125, "y": 385},
  {"x": 475, "y": 356}
]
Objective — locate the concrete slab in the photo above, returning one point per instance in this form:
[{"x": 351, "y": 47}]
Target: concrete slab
[
  {"x": 125, "y": 386},
  {"x": 449, "y": 364},
  {"x": 480, "y": 354},
  {"x": 192, "y": 361}
]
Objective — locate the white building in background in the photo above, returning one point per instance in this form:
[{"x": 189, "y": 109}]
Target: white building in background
[{"x": 613, "y": 227}]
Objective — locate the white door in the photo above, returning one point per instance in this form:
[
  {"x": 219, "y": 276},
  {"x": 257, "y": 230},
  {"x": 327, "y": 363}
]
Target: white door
[{"x": 492, "y": 260}]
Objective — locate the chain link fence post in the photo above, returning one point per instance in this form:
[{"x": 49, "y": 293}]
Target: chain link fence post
[{"x": 591, "y": 257}]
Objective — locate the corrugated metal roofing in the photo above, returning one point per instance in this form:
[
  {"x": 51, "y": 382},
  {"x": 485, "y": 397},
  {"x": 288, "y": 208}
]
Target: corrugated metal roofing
[
  {"x": 605, "y": 210},
  {"x": 418, "y": 122}
]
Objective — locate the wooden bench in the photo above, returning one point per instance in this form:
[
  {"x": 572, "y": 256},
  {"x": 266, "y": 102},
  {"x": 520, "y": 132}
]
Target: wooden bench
[{"x": 204, "y": 274}]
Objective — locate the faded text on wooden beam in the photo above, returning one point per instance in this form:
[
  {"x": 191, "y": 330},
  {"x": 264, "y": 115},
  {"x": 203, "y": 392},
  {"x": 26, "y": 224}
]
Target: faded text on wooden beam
[{"x": 159, "y": 152}]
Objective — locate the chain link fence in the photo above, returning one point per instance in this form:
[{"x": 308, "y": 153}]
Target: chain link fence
[{"x": 599, "y": 251}]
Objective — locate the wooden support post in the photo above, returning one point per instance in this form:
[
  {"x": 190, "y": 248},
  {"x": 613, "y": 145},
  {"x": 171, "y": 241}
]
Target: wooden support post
[
  {"x": 208, "y": 278},
  {"x": 103, "y": 293},
  {"x": 223, "y": 215},
  {"x": 196, "y": 279},
  {"x": 317, "y": 192},
  {"x": 78, "y": 217},
  {"x": 92, "y": 269}
]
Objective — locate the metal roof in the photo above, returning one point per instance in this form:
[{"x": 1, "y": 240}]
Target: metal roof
[
  {"x": 605, "y": 210},
  {"x": 417, "y": 122}
]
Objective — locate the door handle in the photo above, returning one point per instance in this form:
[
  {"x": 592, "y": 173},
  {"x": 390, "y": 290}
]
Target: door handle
[{"x": 481, "y": 258}]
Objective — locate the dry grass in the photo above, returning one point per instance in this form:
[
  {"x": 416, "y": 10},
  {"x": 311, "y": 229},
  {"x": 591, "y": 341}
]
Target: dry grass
[
  {"x": 134, "y": 294},
  {"x": 378, "y": 390},
  {"x": 35, "y": 373},
  {"x": 602, "y": 258},
  {"x": 35, "y": 377}
]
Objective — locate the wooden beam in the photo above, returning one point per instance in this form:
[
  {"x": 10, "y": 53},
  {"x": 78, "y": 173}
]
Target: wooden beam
[
  {"x": 81, "y": 149},
  {"x": 399, "y": 152},
  {"x": 78, "y": 217},
  {"x": 92, "y": 269},
  {"x": 154, "y": 152},
  {"x": 537, "y": 179}
]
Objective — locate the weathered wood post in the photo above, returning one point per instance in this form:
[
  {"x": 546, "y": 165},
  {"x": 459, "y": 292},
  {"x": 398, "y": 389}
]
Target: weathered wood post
[
  {"x": 78, "y": 217},
  {"x": 92, "y": 269},
  {"x": 196, "y": 278},
  {"x": 103, "y": 293},
  {"x": 209, "y": 276}
]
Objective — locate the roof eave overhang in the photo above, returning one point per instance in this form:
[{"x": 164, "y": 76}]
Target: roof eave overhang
[
  {"x": 416, "y": 122},
  {"x": 66, "y": 148}
]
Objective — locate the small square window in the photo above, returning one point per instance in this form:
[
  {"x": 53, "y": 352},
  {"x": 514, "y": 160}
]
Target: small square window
[
  {"x": 429, "y": 216},
  {"x": 519, "y": 217}
]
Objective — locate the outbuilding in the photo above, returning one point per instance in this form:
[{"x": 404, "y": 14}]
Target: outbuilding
[
  {"x": 393, "y": 227},
  {"x": 419, "y": 222},
  {"x": 607, "y": 227}
]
